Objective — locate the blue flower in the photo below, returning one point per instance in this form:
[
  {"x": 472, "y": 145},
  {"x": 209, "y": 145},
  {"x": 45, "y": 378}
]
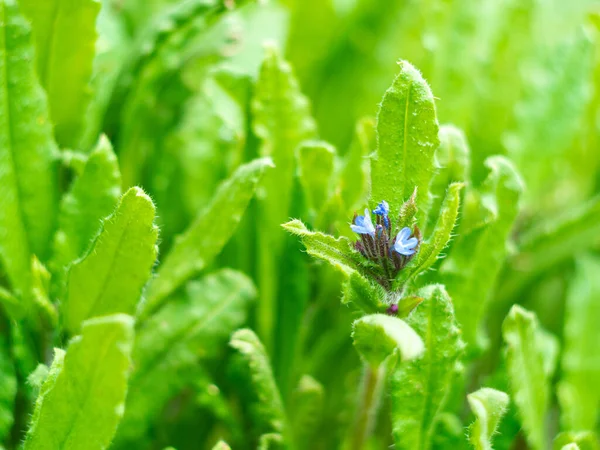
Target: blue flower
[
  {"x": 363, "y": 224},
  {"x": 383, "y": 209},
  {"x": 405, "y": 245}
]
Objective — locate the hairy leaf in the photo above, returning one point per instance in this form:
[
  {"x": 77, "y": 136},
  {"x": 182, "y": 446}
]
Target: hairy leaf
[
  {"x": 82, "y": 400},
  {"x": 8, "y": 389},
  {"x": 64, "y": 64},
  {"x": 109, "y": 279},
  {"x": 28, "y": 169},
  {"x": 584, "y": 440},
  {"x": 366, "y": 296},
  {"x": 430, "y": 250},
  {"x": 529, "y": 378},
  {"x": 205, "y": 237},
  {"x": 419, "y": 387},
  {"x": 336, "y": 251},
  {"x": 266, "y": 406},
  {"x": 281, "y": 120},
  {"x": 472, "y": 268},
  {"x": 378, "y": 336},
  {"x": 92, "y": 197},
  {"x": 315, "y": 166},
  {"x": 407, "y": 132},
  {"x": 578, "y": 393},
  {"x": 452, "y": 159},
  {"x": 169, "y": 344},
  {"x": 488, "y": 405}
]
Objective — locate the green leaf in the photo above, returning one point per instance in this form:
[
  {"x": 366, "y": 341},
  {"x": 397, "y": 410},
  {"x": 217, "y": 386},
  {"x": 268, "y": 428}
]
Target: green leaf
[
  {"x": 221, "y": 445},
  {"x": 471, "y": 270},
  {"x": 578, "y": 393},
  {"x": 205, "y": 237},
  {"x": 527, "y": 371},
  {"x": 377, "y": 336},
  {"x": 430, "y": 250},
  {"x": 192, "y": 326},
  {"x": 8, "y": 389},
  {"x": 265, "y": 404},
  {"x": 361, "y": 293},
  {"x": 336, "y": 251},
  {"x": 354, "y": 176},
  {"x": 419, "y": 388},
  {"x": 82, "y": 400},
  {"x": 92, "y": 197},
  {"x": 64, "y": 64},
  {"x": 315, "y": 171},
  {"x": 407, "y": 131},
  {"x": 452, "y": 159},
  {"x": 271, "y": 441},
  {"x": 551, "y": 242},
  {"x": 571, "y": 446},
  {"x": 488, "y": 405},
  {"x": 307, "y": 409},
  {"x": 584, "y": 440},
  {"x": 28, "y": 164},
  {"x": 109, "y": 279},
  {"x": 281, "y": 121}
]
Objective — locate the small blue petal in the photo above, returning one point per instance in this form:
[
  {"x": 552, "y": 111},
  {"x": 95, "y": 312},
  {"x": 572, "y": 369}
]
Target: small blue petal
[
  {"x": 382, "y": 209},
  {"x": 363, "y": 224},
  {"x": 403, "y": 244}
]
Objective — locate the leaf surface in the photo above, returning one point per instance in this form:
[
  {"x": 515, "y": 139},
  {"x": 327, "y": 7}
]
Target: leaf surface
[{"x": 82, "y": 400}]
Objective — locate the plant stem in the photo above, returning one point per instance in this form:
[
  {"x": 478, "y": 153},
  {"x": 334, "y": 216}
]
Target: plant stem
[{"x": 368, "y": 405}]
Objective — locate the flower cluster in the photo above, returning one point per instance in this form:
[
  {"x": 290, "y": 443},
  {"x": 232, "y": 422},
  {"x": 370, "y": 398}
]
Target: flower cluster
[{"x": 377, "y": 245}]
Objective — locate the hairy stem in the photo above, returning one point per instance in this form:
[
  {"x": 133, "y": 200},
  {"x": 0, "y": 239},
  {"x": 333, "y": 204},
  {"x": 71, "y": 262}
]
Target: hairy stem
[{"x": 368, "y": 405}]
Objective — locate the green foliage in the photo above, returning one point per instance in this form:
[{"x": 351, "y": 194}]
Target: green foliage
[
  {"x": 92, "y": 197},
  {"x": 488, "y": 405},
  {"x": 528, "y": 372},
  {"x": 419, "y": 388},
  {"x": 203, "y": 240},
  {"x": 28, "y": 155},
  {"x": 109, "y": 279},
  {"x": 266, "y": 405},
  {"x": 64, "y": 64},
  {"x": 378, "y": 336},
  {"x": 82, "y": 399},
  {"x": 193, "y": 326},
  {"x": 579, "y": 396},
  {"x": 159, "y": 160},
  {"x": 407, "y": 132},
  {"x": 472, "y": 268}
]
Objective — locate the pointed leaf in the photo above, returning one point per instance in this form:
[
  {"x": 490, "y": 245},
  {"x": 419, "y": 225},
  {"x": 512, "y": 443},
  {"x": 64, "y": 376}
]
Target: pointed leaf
[
  {"x": 281, "y": 120},
  {"x": 354, "y": 177},
  {"x": 82, "y": 400},
  {"x": 336, "y": 251},
  {"x": 92, "y": 197},
  {"x": 430, "y": 250},
  {"x": 109, "y": 279},
  {"x": 193, "y": 326},
  {"x": 266, "y": 405},
  {"x": 28, "y": 169},
  {"x": 578, "y": 392},
  {"x": 407, "y": 131},
  {"x": 362, "y": 294},
  {"x": 452, "y": 158},
  {"x": 419, "y": 387},
  {"x": 471, "y": 270},
  {"x": 584, "y": 440},
  {"x": 488, "y": 405},
  {"x": 205, "y": 237},
  {"x": 529, "y": 380},
  {"x": 315, "y": 166},
  {"x": 64, "y": 64},
  {"x": 378, "y": 336},
  {"x": 8, "y": 389}
]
